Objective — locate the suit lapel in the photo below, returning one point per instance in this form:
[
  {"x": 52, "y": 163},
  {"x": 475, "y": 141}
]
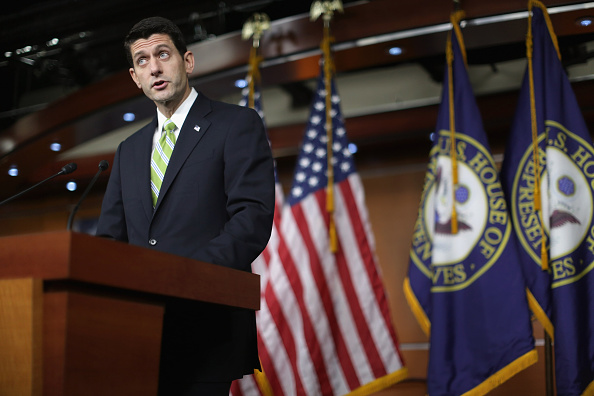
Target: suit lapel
[{"x": 195, "y": 126}]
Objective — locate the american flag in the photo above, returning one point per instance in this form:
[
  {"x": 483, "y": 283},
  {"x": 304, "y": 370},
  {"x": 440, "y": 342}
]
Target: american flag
[
  {"x": 264, "y": 265},
  {"x": 324, "y": 326}
]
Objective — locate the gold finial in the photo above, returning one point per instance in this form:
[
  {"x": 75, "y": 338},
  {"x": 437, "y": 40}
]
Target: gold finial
[
  {"x": 325, "y": 8},
  {"x": 254, "y": 27}
]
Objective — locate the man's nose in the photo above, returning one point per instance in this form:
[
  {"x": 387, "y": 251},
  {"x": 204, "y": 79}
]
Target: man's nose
[{"x": 155, "y": 67}]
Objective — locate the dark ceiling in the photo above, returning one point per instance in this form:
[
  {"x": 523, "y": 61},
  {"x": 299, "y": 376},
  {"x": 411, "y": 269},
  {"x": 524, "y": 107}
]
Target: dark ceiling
[
  {"x": 90, "y": 35},
  {"x": 79, "y": 89}
]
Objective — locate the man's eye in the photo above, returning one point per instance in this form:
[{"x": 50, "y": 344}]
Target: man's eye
[
  {"x": 141, "y": 61},
  {"x": 164, "y": 55}
]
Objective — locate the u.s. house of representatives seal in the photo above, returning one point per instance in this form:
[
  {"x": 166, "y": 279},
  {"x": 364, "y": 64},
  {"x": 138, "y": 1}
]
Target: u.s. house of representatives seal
[
  {"x": 454, "y": 260},
  {"x": 567, "y": 185}
]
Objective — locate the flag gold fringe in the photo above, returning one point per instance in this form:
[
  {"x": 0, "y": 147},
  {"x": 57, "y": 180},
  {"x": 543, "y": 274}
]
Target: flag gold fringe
[
  {"x": 263, "y": 383},
  {"x": 544, "y": 257},
  {"x": 455, "y": 19},
  {"x": 589, "y": 390},
  {"x": 380, "y": 383},
  {"x": 328, "y": 70},
  {"x": 416, "y": 308},
  {"x": 521, "y": 363},
  {"x": 540, "y": 314},
  {"x": 536, "y": 3}
]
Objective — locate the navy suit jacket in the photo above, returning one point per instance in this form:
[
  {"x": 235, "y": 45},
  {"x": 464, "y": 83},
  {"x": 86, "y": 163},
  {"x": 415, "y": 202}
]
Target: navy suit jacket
[{"x": 216, "y": 205}]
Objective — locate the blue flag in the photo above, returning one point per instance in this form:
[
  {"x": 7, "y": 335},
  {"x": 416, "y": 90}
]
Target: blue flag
[
  {"x": 464, "y": 282},
  {"x": 548, "y": 175}
]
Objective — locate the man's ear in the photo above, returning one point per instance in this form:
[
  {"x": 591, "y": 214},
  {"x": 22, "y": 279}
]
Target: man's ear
[
  {"x": 133, "y": 75},
  {"x": 189, "y": 61}
]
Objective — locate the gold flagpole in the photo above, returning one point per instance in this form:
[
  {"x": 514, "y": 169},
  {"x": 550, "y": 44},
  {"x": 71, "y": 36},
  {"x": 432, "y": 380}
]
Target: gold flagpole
[
  {"x": 253, "y": 28},
  {"x": 549, "y": 369},
  {"x": 326, "y": 9},
  {"x": 455, "y": 20},
  {"x": 544, "y": 259}
]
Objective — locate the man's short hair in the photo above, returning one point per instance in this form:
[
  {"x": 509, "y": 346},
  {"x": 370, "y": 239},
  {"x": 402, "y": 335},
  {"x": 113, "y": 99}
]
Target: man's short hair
[{"x": 154, "y": 25}]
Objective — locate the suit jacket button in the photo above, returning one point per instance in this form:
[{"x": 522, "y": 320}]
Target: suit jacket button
[{"x": 152, "y": 242}]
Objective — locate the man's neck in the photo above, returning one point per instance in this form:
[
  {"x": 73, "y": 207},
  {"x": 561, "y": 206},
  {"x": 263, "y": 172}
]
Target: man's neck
[{"x": 168, "y": 108}]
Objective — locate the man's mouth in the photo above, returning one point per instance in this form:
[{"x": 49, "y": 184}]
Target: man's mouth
[{"x": 159, "y": 84}]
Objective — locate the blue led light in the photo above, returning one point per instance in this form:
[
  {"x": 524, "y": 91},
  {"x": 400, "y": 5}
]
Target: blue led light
[
  {"x": 13, "y": 171},
  {"x": 353, "y": 148},
  {"x": 55, "y": 146},
  {"x": 241, "y": 83}
]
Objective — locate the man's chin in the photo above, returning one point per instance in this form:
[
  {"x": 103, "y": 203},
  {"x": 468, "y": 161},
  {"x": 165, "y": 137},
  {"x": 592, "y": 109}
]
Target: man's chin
[{"x": 161, "y": 97}]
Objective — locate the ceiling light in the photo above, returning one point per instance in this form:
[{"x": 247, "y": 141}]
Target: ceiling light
[
  {"x": 13, "y": 171},
  {"x": 129, "y": 117},
  {"x": 27, "y": 61},
  {"x": 6, "y": 145},
  {"x": 584, "y": 21},
  {"x": 71, "y": 186},
  {"x": 395, "y": 51}
]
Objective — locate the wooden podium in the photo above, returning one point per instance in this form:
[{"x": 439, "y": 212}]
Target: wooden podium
[{"x": 81, "y": 315}]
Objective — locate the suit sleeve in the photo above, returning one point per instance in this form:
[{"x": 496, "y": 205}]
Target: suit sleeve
[
  {"x": 112, "y": 221},
  {"x": 249, "y": 186}
]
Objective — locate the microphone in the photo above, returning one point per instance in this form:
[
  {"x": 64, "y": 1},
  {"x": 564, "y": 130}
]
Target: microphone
[
  {"x": 66, "y": 169},
  {"x": 103, "y": 165}
]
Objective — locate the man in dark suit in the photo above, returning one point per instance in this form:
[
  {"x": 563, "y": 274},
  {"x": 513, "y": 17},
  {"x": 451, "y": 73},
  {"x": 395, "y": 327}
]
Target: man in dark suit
[{"x": 203, "y": 189}]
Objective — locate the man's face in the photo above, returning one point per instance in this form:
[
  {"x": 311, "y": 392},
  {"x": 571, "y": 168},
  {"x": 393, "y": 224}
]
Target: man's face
[{"x": 159, "y": 70}]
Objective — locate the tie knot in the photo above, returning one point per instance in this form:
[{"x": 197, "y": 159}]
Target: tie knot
[{"x": 169, "y": 125}]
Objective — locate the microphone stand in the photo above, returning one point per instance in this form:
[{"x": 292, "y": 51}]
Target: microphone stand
[
  {"x": 65, "y": 170},
  {"x": 102, "y": 166}
]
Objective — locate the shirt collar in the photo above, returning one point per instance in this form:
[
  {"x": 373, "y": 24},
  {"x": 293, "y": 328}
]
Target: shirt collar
[{"x": 180, "y": 114}]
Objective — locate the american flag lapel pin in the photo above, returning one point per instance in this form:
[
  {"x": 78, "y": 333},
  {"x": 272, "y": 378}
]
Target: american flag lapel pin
[{"x": 196, "y": 128}]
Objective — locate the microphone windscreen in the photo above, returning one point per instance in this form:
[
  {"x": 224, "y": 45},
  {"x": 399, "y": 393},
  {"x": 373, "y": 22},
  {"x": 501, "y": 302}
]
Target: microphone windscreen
[
  {"x": 68, "y": 168},
  {"x": 103, "y": 165}
]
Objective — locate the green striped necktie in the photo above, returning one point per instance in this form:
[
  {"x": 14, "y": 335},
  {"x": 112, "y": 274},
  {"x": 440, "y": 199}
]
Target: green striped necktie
[{"x": 160, "y": 158}]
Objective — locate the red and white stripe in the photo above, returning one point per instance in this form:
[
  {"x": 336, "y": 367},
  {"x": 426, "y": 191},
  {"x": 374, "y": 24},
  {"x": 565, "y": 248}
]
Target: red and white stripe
[{"x": 324, "y": 326}]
